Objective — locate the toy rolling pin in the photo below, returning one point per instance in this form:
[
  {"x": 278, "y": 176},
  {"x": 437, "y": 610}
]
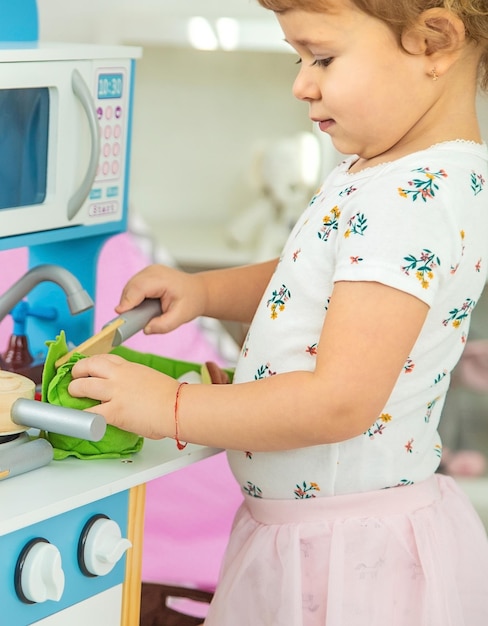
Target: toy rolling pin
[{"x": 58, "y": 419}]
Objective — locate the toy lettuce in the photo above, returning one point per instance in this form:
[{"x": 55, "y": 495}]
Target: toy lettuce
[{"x": 116, "y": 443}]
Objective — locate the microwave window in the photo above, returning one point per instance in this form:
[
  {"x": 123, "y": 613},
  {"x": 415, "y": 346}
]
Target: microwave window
[{"x": 24, "y": 128}]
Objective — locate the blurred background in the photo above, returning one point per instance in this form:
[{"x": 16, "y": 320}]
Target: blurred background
[
  {"x": 213, "y": 94},
  {"x": 223, "y": 161},
  {"x": 224, "y": 158}
]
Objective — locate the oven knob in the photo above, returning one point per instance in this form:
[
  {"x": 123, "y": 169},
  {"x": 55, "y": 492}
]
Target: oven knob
[
  {"x": 38, "y": 574},
  {"x": 101, "y": 546}
]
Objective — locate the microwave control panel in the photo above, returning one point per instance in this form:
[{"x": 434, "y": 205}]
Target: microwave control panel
[
  {"x": 65, "y": 160},
  {"x": 111, "y": 103}
]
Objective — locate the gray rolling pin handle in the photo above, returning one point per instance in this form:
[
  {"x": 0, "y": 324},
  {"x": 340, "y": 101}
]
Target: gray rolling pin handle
[
  {"x": 58, "y": 419},
  {"x": 26, "y": 457},
  {"x": 136, "y": 319}
]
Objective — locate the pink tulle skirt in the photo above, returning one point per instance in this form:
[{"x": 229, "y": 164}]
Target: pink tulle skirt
[{"x": 407, "y": 556}]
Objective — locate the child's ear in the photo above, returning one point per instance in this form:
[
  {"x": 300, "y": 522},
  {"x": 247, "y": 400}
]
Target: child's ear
[{"x": 436, "y": 32}]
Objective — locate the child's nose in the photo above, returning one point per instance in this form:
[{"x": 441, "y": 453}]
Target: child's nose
[{"x": 305, "y": 87}]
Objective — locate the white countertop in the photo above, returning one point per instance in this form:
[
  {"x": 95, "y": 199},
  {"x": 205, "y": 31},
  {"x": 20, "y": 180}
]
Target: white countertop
[{"x": 65, "y": 485}]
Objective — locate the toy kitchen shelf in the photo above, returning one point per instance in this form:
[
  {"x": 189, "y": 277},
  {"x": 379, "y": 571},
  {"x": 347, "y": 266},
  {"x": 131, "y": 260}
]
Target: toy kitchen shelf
[{"x": 55, "y": 501}]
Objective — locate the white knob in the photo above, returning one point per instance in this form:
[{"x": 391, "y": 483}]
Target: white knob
[
  {"x": 42, "y": 575},
  {"x": 104, "y": 547}
]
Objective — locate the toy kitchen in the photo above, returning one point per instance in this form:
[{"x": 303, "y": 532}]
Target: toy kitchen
[{"x": 70, "y": 531}]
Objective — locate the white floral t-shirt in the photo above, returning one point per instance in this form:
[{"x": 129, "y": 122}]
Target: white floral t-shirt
[{"x": 418, "y": 224}]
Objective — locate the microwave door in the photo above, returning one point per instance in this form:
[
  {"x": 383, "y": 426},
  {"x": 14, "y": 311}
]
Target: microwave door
[
  {"x": 84, "y": 96},
  {"x": 64, "y": 141}
]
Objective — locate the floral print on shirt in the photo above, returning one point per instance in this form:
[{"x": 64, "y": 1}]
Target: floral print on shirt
[
  {"x": 330, "y": 222},
  {"x": 379, "y": 426},
  {"x": 424, "y": 265},
  {"x": 477, "y": 183},
  {"x": 305, "y": 490},
  {"x": 461, "y": 314},
  {"x": 278, "y": 301},
  {"x": 436, "y": 248},
  {"x": 357, "y": 225},
  {"x": 423, "y": 187}
]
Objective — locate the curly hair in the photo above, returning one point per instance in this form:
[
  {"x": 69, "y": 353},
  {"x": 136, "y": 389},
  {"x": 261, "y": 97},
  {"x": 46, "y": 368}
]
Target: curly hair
[{"x": 402, "y": 15}]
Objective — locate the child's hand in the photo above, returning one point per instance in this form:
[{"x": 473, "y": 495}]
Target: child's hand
[
  {"x": 182, "y": 296},
  {"x": 133, "y": 397}
]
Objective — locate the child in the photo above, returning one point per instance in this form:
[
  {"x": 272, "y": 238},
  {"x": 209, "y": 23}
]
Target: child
[{"x": 331, "y": 425}]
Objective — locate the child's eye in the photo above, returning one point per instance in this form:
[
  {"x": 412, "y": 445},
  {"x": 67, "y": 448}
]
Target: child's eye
[
  {"x": 323, "y": 62},
  {"x": 298, "y": 61}
]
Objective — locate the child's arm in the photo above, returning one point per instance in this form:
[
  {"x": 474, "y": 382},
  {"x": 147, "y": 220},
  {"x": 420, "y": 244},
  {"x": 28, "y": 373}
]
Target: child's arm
[
  {"x": 227, "y": 294},
  {"x": 234, "y": 294},
  {"x": 367, "y": 337}
]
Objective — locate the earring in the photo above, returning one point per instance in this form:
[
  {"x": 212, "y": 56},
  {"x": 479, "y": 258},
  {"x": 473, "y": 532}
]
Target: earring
[{"x": 433, "y": 73}]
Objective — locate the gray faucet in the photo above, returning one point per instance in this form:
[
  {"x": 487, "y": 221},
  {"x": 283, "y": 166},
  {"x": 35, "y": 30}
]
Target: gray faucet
[{"x": 78, "y": 299}]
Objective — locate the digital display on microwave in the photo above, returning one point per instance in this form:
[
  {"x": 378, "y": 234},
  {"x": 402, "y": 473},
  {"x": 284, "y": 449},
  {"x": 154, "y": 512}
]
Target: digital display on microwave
[
  {"x": 110, "y": 86},
  {"x": 24, "y": 133}
]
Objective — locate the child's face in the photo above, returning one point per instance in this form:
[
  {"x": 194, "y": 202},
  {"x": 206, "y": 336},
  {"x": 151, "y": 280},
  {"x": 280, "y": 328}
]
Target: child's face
[{"x": 363, "y": 89}]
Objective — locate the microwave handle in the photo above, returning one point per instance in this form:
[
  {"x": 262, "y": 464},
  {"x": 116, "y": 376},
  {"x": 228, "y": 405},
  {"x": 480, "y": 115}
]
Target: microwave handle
[{"x": 81, "y": 91}]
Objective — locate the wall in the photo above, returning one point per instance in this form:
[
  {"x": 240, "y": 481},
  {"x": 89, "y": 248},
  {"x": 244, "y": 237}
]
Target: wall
[
  {"x": 199, "y": 118},
  {"x": 199, "y": 115}
]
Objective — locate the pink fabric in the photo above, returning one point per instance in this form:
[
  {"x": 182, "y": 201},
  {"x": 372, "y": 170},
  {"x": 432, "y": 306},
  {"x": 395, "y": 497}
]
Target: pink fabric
[
  {"x": 188, "y": 513},
  {"x": 466, "y": 463},
  {"x": 408, "y": 556},
  {"x": 13, "y": 264}
]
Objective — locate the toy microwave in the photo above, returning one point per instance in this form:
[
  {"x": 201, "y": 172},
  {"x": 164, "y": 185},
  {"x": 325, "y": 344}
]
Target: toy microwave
[{"x": 65, "y": 128}]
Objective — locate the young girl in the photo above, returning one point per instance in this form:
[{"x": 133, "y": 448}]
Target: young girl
[{"x": 331, "y": 425}]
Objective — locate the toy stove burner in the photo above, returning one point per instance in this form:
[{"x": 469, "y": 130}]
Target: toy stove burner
[
  {"x": 21, "y": 453},
  {"x": 12, "y": 440},
  {"x": 9, "y": 438}
]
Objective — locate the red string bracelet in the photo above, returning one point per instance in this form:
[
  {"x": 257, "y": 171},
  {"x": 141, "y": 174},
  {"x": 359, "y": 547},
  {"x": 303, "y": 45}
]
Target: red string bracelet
[{"x": 179, "y": 445}]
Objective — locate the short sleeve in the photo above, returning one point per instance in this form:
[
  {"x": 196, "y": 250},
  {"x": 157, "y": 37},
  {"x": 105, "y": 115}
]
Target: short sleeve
[{"x": 401, "y": 230}]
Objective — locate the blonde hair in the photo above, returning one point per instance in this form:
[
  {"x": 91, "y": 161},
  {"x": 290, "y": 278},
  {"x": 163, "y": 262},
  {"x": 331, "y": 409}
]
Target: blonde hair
[{"x": 401, "y": 15}]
